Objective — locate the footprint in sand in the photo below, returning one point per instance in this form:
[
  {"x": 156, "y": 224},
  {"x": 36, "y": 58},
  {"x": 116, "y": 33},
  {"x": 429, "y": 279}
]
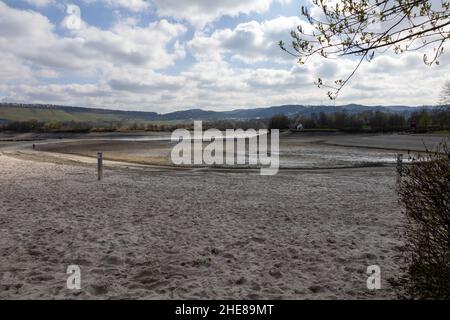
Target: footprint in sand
[
  {"x": 276, "y": 274},
  {"x": 98, "y": 289},
  {"x": 113, "y": 260}
]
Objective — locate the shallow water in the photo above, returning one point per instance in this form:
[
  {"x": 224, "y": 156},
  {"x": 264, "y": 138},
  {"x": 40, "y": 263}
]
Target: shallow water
[
  {"x": 301, "y": 152},
  {"x": 311, "y": 155},
  {"x": 317, "y": 156},
  {"x": 227, "y": 136}
]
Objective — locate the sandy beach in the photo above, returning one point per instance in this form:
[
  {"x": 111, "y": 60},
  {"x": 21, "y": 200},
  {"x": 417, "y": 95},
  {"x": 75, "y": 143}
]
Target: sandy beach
[{"x": 157, "y": 233}]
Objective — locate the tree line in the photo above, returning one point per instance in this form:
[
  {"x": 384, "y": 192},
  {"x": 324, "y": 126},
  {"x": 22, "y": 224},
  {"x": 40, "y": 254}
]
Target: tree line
[
  {"x": 420, "y": 121},
  {"x": 423, "y": 120},
  {"x": 124, "y": 126},
  {"x": 85, "y": 127}
]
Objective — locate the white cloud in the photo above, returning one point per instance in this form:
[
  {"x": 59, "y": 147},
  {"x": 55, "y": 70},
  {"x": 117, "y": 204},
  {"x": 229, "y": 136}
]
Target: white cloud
[
  {"x": 13, "y": 70},
  {"x": 142, "y": 82},
  {"x": 233, "y": 68},
  {"x": 201, "y": 12},
  {"x": 40, "y": 3},
  {"x": 89, "y": 48},
  {"x": 130, "y": 45},
  {"x": 132, "y": 5},
  {"x": 217, "y": 85},
  {"x": 249, "y": 42}
]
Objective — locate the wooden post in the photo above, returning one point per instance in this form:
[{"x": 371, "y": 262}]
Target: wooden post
[
  {"x": 100, "y": 165},
  {"x": 399, "y": 167}
]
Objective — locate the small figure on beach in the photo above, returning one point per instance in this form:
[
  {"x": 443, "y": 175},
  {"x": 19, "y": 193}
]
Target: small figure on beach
[{"x": 34, "y": 146}]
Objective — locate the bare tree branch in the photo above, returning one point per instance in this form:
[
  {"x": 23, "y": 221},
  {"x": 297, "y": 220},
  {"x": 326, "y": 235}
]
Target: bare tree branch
[{"x": 364, "y": 27}]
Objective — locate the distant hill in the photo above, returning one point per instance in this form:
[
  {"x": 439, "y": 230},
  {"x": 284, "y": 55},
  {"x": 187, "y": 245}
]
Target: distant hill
[
  {"x": 25, "y": 112},
  {"x": 10, "y": 112}
]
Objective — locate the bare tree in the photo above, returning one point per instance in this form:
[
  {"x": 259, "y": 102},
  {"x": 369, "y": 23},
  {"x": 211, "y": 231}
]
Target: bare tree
[
  {"x": 424, "y": 191},
  {"x": 445, "y": 95},
  {"x": 364, "y": 28}
]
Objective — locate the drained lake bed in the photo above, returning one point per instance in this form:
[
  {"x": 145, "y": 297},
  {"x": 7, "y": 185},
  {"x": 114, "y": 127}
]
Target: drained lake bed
[
  {"x": 150, "y": 232},
  {"x": 296, "y": 151}
]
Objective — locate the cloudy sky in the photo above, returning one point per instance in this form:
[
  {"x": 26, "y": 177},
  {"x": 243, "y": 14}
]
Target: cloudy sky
[{"x": 167, "y": 55}]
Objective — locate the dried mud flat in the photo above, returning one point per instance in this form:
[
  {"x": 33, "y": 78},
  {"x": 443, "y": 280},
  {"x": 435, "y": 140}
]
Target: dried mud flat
[
  {"x": 164, "y": 234},
  {"x": 297, "y": 150}
]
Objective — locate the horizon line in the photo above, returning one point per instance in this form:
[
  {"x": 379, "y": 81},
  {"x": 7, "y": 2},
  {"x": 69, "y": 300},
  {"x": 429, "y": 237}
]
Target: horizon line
[{"x": 222, "y": 111}]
